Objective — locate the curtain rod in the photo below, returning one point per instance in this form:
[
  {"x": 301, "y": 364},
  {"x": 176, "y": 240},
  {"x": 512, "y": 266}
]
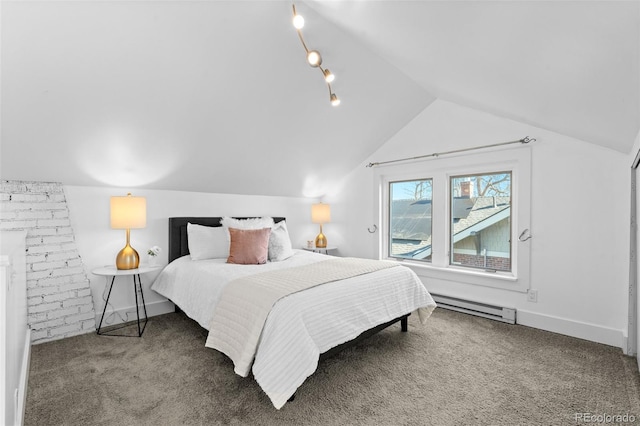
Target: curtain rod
[{"x": 526, "y": 139}]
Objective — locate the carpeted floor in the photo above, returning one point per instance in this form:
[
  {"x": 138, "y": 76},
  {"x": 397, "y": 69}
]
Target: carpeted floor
[{"x": 456, "y": 370}]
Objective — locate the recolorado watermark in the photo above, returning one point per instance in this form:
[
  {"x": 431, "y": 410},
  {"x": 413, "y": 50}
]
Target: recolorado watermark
[{"x": 604, "y": 418}]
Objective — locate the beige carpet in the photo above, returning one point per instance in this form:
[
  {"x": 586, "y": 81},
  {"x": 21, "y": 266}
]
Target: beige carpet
[{"x": 456, "y": 370}]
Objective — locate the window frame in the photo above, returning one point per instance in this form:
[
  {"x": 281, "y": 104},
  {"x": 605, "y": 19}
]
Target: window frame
[{"x": 441, "y": 170}]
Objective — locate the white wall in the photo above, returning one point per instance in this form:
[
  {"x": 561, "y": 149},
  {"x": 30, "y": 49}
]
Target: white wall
[
  {"x": 98, "y": 244},
  {"x": 579, "y": 220}
]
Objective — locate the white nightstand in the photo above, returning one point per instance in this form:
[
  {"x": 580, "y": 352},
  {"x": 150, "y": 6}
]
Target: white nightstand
[
  {"x": 323, "y": 250},
  {"x": 111, "y": 271}
]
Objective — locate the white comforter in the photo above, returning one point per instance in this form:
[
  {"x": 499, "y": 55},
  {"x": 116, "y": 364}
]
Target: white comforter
[{"x": 302, "y": 325}]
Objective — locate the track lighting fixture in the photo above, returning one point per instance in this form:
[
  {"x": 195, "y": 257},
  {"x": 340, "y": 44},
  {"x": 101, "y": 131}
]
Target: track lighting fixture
[
  {"x": 328, "y": 77},
  {"x": 314, "y": 58},
  {"x": 298, "y": 20}
]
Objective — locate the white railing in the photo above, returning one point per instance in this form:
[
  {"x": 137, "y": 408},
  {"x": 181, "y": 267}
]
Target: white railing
[{"x": 15, "y": 335}]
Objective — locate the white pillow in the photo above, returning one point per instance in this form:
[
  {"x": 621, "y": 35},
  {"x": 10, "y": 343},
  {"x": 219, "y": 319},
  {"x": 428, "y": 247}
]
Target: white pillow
[
  {"x": 280, "y": 243},
  {"x": 207, "y": 242},
  {"x": 253, "y": 223}
]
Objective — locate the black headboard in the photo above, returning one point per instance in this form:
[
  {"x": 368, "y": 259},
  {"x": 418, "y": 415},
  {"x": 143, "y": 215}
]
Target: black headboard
[{"x": 178, "y": 243}]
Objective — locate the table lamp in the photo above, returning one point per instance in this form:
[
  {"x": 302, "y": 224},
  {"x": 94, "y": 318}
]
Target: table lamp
[
  {"x": 127, "y": 213},
  {"x": 321, "y": 214}
]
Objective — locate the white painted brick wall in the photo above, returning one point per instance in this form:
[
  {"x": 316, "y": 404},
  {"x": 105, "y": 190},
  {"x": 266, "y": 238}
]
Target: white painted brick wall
[{"x": 58, "y": 293}]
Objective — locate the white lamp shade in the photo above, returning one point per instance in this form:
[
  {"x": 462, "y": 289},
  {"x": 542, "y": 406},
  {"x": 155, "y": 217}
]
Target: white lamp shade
[
  {"x": 320, "y": 213},
  {"x": 128, "y": 212}
]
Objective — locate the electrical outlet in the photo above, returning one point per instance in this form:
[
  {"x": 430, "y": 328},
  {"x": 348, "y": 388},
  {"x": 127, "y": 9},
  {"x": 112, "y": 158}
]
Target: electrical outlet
[{"x": 532, "y": 295}]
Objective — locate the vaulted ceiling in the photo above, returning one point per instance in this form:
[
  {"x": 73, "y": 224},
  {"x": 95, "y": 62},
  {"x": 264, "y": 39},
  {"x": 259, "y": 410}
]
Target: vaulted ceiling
[{"x": 216, "y": 96}]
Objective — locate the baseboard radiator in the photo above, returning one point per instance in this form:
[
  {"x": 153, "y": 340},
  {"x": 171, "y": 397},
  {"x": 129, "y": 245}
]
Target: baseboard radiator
[{"x": 498, "y": 313}]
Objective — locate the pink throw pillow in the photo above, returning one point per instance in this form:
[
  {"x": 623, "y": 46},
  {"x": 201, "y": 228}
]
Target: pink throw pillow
[{"x": 248, "y": 246}]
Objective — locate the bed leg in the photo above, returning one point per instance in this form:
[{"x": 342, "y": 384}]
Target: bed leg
[
  {"x": 291, "y": 398},
  {"x": 404, "y": 324}
]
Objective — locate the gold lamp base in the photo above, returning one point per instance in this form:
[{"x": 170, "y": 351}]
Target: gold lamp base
[
  {"x": 321, "y": 240},
  {"x": 127, "y": 258}
]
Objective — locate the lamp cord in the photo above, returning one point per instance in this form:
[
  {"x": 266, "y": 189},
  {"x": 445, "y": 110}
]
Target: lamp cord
[{"x": 109, "y": 318}]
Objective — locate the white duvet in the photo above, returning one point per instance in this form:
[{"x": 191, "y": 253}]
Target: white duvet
[{"x": 301, "y": 325}]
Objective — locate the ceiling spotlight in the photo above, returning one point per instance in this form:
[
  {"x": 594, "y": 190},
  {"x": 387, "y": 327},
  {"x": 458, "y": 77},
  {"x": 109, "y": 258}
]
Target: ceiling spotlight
[
  {"x": 328, "y": 77},
  {"x": 334, "y": 100},
  {"x": 314, "y": 58},
  {"x": 298, "y": 21}
]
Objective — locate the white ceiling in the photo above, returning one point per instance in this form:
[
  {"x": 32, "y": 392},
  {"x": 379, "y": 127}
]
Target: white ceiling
[
  {"x": 216, "y": 96},
  {"x": 568, "y": 66}
]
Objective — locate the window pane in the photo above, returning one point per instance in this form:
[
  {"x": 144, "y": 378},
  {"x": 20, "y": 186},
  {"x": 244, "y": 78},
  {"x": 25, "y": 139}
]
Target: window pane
[
  {"x": 410, "y": 219},
  {"x": 481, "y": 221}
]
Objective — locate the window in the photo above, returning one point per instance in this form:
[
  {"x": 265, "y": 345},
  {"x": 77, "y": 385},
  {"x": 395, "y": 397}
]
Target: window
[
  {"x": 480, "y": 218},
  {"x": 410, "y": 219},
  {"x": 457, "y": 219}
]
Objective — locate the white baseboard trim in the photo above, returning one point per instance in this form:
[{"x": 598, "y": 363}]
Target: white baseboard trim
[
  {"x": 21, "y": 393},
  {"x": 581, "y": 330},
  {"x": 153, "y": 309}
]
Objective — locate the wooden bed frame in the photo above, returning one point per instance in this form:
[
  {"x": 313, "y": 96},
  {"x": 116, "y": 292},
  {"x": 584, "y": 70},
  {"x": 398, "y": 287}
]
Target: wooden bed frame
[{"x": 178, "y": 247}]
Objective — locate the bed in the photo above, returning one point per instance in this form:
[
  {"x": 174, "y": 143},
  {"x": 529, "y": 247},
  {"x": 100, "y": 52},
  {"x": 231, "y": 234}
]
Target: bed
[{"x": 300, "y": 327}]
